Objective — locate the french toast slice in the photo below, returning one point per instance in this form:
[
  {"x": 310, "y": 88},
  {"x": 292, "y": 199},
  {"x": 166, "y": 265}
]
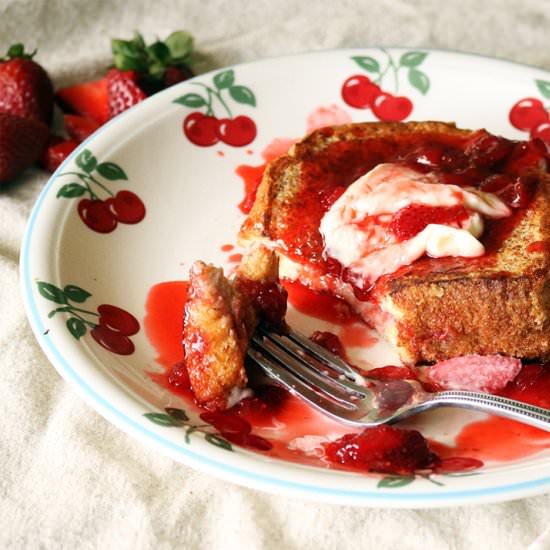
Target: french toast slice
[
  {"x": 434, "y": 308},
  {"x": 221, "y": 314}
]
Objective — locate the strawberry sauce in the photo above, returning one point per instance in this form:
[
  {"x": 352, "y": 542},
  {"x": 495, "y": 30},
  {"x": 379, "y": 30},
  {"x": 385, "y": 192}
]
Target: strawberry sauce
[{"x": 276, "y": 423}]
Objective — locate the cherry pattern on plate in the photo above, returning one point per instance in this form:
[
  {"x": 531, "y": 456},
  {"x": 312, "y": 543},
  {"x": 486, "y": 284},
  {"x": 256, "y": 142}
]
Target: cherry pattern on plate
[
  {"x": 101, "y": 214},
  {"x": 110, "y": 326},
  {"x": 209, "y": 127},
  {"x": 371, "y": 92},
  {"x": 530, "y": 114},
  {"x": 229, "y": 428}
]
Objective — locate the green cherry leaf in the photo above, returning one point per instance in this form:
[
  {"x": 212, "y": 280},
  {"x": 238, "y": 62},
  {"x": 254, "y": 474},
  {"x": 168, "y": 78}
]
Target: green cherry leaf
[
  {"x": 368, "y": 63},
  {"x": 412, "y": 59},
  {"x": 544, "y": 87},
  {"x": 76, "y": 294},
  {"x": 191, "y": 100},
  {"x": 419, "y": 80},
  {"x": 218, "y": 441},
  {"x": 224, "y": 79},
  {"x": 111, "y": 171},
  {"x": 51, "y": 292},
  {"x": 178, "y": 414},
  {"x": 76, "y": 327},
  {"x": 71, "y": 190},
  {"x": 86, "y": 161},
  {"x": 395, "y": 482},
  {"x": 163, "y": 420},
  {"x": 59, "y": 310},
  {"x": 242, "y": 94}
]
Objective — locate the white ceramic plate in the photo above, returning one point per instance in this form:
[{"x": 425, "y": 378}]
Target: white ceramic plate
[{"x": 191, "y": 193}]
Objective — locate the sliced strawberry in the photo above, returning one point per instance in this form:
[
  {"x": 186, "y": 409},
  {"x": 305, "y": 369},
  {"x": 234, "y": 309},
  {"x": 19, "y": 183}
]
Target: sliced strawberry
[
  {"x": 21, "y": 142},
  {"x": 79, "y": 127},
  {"x": 57, "y": 150},
  {"x": 123, "y": 91},
  {"x": 88, "y": 99}
]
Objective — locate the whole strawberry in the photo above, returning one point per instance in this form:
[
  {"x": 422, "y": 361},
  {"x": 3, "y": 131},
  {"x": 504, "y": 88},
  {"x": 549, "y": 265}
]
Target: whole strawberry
[
  {"x": 25, "y": 87},
  {"x": 22, "y": 140}
]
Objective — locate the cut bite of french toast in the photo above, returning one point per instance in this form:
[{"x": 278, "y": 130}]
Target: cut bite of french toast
[{"x": 220, "y": 316}]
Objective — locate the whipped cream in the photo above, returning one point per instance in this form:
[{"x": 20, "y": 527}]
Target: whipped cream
[{"x": 356, "y": 227}]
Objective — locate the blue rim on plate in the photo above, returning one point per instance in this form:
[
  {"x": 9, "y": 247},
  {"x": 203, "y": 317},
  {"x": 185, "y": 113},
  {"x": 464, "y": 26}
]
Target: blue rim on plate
[{"x": 214, "y": 465}]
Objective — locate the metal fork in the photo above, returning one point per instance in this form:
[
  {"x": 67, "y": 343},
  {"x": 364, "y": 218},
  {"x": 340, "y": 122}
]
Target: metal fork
[{"x": 328, "y": 383}]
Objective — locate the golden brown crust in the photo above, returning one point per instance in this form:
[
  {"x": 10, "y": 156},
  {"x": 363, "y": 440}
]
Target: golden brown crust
[
  {"x": 220, "y": 317},
  {"x": 213, "y": 354},
  {"x": 281, "y": 179},
  {"x": 502, "y": 306}
]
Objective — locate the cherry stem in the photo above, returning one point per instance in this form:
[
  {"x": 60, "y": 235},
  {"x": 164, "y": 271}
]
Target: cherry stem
[
  {"x": 217, "y": 95},
  {"x": 72, "y": 310},
  {"x": 430, "y": 478},
  {"x": 106, "y": 189},
  {"x": 391, "y": 65},
  {"x": 84, "y": 179}
]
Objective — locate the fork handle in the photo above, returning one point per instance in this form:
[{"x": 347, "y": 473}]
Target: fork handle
[{"x": 516, "y": 410}]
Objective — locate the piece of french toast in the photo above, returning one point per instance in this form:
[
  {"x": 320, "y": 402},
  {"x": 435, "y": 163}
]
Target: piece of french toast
[
  {"x": 221, "y": 314},
  {"x": 434, "y": 308}
]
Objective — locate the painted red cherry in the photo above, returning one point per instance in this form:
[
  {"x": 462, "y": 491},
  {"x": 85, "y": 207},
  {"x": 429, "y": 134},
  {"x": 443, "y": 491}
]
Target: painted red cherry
[
  {"x": 127, "y": 207},
  {"x": 97, "y": 215},
  {"x": 528, "y": 113},
  {"x": 388, "y": 107},
  {"x": 201, "y": 129},
  {"x": 237, "y": 131},
  {"x": 117, "y": 319},
  {"x": 359, "y": 91},
  {"x": 112, "y": 341},
  {"x": 542, "y": 131}
]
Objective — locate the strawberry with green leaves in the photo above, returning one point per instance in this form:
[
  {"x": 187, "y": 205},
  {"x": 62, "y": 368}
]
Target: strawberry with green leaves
[
  {"x": 139, "y": 71},
  {"x": 25, "y": 87}
]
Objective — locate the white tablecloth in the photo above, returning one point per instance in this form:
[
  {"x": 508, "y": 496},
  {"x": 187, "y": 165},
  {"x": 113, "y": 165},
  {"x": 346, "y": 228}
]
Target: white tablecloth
[{"x": 71, "y": 480}]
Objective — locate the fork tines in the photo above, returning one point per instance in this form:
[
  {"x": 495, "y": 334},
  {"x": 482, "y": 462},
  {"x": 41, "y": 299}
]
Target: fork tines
[{"x": 309, "y": 370}]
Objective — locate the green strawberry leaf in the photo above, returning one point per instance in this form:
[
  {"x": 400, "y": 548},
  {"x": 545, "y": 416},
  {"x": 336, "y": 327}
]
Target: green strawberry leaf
[
  {"x": 111, "y": 171},
  {"x": 412, "y": 59},
  {"x": 129, "y": 55},
  {"x": 242, "y": 94},
  {"x": 159, "y": 52},
  {"x": 180, "y": 44},
  {"x": 51, "y": 292},
  {"x": 76, "y": 294},
  {"x": 178, "y": 414},
  {"x": 86, "y": 161},
  {"x": 218, "y": 441},
  {"x": 368, "y": 63},
  {"x": 163, "y": 420},
  {"x": 395, "y": 482},
  {"x": 419, "y": 80},
  {"x": 191, "y": 100},
  {"x": 76, "y": 327},
  {"x": 224, "y": 79},
  {"x": 544, "y": 87},
  {"x": 71, "y": 190}
]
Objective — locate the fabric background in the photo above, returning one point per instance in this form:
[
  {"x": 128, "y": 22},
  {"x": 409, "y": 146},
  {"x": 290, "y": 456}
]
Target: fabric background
[{"x": 71, "y": 480}]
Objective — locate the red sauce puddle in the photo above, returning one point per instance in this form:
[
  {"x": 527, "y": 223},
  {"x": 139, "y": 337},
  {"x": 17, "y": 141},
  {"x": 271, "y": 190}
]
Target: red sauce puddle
[{"x": 279, "y": 417}]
